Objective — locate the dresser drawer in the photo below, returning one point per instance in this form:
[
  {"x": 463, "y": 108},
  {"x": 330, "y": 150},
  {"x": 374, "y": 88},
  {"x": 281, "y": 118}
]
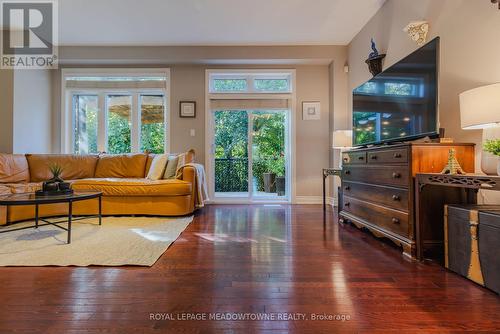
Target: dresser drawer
[
  {"x": 392, "y": 197},
  {"x": 386, "y": 218},
  {"x": 352, "y": 158},
  {"x": 381, "y": 175},
  {"x": 398, "y": 155}
]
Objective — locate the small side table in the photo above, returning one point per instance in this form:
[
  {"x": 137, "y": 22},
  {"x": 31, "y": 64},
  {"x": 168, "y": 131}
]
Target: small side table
[
  {"x": 469, "y": 183},
  {"x": 329, "y": 172}
]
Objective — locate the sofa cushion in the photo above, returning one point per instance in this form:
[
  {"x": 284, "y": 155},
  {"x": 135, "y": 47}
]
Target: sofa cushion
[
  {"x": 157, "y": 167},
  {"x": 73, "y": 166},
  {"x": 189, "y": 157},
  {"x": 134, "y": 187},
  {"x": 123, "y": 165},
  {"x": 171, "y": 168},
  {"x": 13, "y": 168}
]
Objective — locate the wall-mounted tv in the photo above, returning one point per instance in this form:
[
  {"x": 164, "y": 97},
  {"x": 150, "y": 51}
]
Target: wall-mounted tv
[{"x": 401, "y": 103}]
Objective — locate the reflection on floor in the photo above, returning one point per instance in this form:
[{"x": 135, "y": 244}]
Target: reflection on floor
[
  {"x": 235, "y": 260},
  {"x": 260, "y": 195}
]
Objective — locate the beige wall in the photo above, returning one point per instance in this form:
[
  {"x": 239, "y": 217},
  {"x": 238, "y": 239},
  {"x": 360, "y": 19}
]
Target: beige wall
[
  {"x": 6, "y": 110},
  {"x": 32, "y": 126},
  {"x": 320, "y": 77},
  {"x": 25, "y": 111},
  {"x": 470, "y": 46}
]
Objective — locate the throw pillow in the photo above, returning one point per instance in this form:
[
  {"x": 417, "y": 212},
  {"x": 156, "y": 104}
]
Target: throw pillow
[
  {"x": 171, "y": 167},
  {"x": 157, "y": 167}
]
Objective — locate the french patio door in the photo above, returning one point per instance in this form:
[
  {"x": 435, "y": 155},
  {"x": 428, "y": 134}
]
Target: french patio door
[{"x": 250, "y": 156}]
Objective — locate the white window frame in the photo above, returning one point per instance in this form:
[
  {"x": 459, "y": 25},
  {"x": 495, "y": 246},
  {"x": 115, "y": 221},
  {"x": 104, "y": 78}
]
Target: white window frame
[
  {"x": 291, "y": 196},
  {"x": 250, "y": 76},
  {"x": 67, "y": 116}
]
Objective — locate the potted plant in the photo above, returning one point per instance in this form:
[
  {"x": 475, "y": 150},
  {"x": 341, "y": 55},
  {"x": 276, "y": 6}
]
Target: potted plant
[
  {"x": 269, "y": 182},
  {"x": 56, "y": 183},
  {"x": 493, "y": 147}
]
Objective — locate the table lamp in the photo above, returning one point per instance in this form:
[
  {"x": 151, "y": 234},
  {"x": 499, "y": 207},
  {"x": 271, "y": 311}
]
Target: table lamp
[
  {"x": 480, "y": 109},
  {"x": 342, "y": 140}
]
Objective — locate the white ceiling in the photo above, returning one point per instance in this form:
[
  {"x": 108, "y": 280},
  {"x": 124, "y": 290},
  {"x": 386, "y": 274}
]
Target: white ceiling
[{"x": 212, "y": 22}]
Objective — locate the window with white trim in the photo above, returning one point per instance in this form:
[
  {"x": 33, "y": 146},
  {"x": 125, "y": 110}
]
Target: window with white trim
[
  {"x": 241, "y": 83},
  {"x": 119, "y": 111}
]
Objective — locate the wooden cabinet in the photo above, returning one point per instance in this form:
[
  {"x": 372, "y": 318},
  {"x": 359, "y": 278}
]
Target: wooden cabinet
[{"x": 378, "y": 185}]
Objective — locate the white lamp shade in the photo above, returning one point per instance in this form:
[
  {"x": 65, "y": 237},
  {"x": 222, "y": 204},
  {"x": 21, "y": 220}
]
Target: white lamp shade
[
  {"x": 480, "y": 107},
  {"x": 342, "y": 138}
]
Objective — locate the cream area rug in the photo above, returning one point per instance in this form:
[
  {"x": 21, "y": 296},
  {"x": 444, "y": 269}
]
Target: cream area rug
[{"x": 118, "y": 241}]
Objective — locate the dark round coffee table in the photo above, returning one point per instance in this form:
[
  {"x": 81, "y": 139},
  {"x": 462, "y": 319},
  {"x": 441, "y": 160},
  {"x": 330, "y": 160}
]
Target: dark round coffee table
[{"x": 32, "y": 199}]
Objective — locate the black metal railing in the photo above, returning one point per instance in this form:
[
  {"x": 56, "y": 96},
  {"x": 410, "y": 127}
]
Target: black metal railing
[{"x": 231, "y": 175}]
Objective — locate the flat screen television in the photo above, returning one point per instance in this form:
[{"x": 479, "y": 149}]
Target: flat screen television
[{"x": 401, "y": 103}]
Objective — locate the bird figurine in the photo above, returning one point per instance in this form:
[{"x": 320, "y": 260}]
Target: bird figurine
[{"x": 374, "y": 53}]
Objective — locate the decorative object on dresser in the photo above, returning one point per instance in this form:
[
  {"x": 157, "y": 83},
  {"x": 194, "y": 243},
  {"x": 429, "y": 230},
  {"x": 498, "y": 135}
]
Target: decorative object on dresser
[
  {"x": 430, "y": 202},
  {"x": 453, "y": 166},
  {"x": 480, "y": 109},
  {"x": 374, "y": 60},
  {"x": 378, "y": 186},
  {"x": 472, "y": 243}
]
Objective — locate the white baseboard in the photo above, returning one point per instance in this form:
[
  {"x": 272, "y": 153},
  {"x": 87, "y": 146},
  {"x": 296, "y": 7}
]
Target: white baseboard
[
  {"x": 315, "y": 200},
  {"x": 298, "y": 200}
]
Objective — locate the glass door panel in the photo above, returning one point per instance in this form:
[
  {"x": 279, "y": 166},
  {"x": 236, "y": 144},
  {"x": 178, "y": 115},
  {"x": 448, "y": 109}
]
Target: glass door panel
[
  {"x": 119, "y": 123},
  {"x": 85, "y": 111},
  {"x": 231, "y": 153},
  {"x": 152, "y": 124},
  {"x": 269, "y": 154}
]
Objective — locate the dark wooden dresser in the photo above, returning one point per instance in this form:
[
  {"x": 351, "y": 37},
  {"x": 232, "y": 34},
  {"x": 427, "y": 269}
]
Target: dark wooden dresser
[{"x": 378, "y": 184}]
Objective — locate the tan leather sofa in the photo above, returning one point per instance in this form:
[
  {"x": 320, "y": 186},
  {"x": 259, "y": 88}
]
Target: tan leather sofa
[{"x": 121, "y": 179}]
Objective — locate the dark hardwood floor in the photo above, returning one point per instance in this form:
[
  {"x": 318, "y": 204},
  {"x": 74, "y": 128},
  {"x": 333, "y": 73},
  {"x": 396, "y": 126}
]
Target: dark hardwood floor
[{"x": 263, "y": 259}]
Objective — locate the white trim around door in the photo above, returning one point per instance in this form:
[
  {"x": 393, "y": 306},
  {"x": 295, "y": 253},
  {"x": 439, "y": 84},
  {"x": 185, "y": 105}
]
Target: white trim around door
[{"x": 289, "y": 95}]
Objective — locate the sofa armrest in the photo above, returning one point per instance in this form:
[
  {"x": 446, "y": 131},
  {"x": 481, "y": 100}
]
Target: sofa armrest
[{"x": 188, "y": 174}]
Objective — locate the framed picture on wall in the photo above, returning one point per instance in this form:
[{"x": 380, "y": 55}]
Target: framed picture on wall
[
  {"x": 311, "y": 111},
  {"x": 187, "y": 109}
]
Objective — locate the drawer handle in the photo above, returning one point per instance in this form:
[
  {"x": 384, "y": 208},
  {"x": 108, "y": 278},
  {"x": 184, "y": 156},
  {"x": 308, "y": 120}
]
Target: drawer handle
[
  {"x": 347, "y": 172},
  {"x": 396, "y": 175},
  {"x": 395, "y": 221},
  {"x": 374, "y": 157},
  {"x": 346, "y": 159},
  {"x": 361, "y": 158},
  {"x": 396, "y": 197},
  {"x": 347, "y": 188},
  {"x": 347, "y": 204},
  {"x": 398, "y": 155}
]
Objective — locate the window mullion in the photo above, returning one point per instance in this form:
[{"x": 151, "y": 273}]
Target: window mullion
[
  {"x": 102, "y": 124},
  {"x": 136, "y": 123}
]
